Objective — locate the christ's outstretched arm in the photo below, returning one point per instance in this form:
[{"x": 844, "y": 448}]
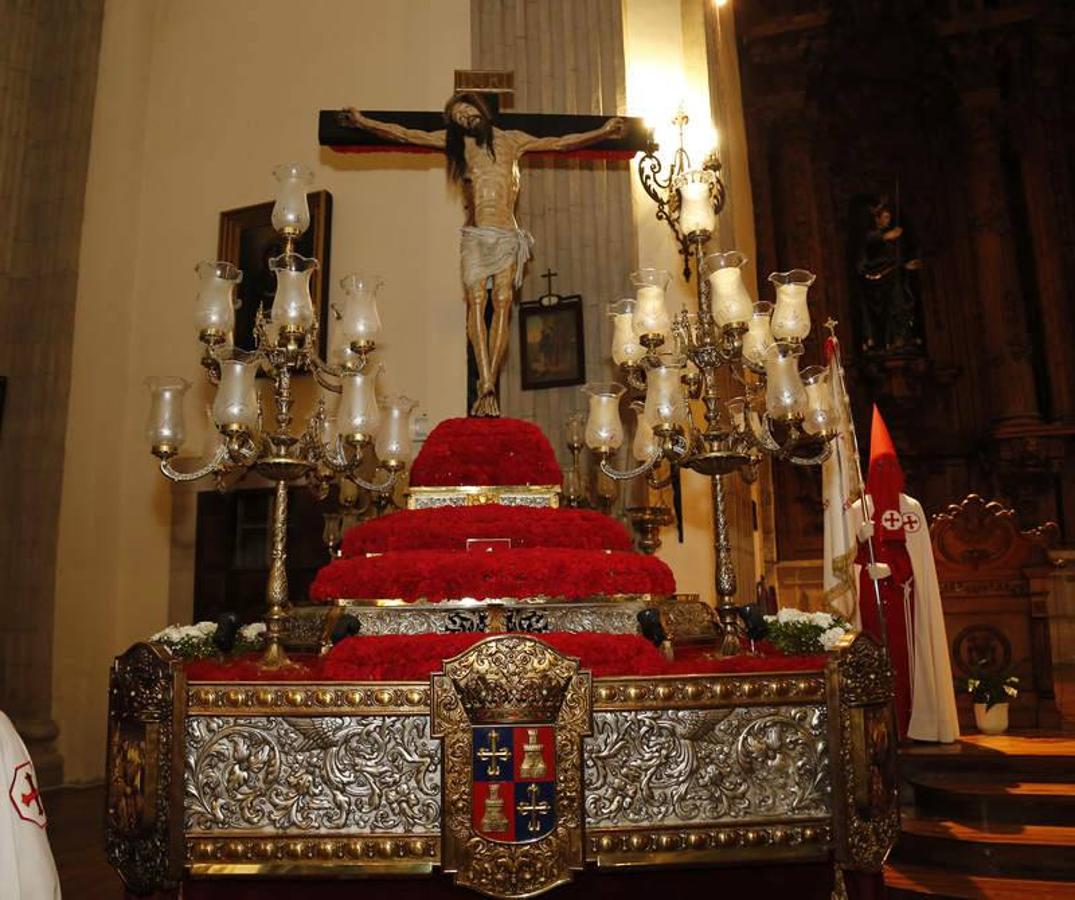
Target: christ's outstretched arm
[
  {"x": 527, "y": 143},
  {"x": 393, "y": 132}
]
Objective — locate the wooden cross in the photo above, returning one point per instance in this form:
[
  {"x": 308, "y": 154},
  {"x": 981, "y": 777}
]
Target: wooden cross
[
  {"x": 340, "y": 137},
  {"x": 492, "y": 755},
  {"x": 533, "y": 809},
  {"x": 549, "y": 275}
]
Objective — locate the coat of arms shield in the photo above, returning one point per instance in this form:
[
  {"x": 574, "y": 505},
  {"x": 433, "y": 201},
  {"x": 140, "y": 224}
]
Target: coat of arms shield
[{"x": 512, "y": 713}]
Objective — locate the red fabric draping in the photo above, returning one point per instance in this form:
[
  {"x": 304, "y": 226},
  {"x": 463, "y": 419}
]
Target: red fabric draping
[
  {"x": 538, "y": 572},
  {"x": 415, "y": 657},
  {"x": 485, "y": 451},
  {"x": 449, "y": 528}
]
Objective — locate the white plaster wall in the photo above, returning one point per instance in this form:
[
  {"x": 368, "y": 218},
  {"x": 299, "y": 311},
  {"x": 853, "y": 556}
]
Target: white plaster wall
[{"x": 196, "y": 102}]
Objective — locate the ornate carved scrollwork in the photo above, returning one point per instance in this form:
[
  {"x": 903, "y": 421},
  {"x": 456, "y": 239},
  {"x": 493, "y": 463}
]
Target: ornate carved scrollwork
[
  {"x": 866, "y": 808},
  {"x": 316, "y": 774},
  {"x": 665, "y": 767},
  {"x": 511, "y": 679},
  {"x": 143, "y": 830}
]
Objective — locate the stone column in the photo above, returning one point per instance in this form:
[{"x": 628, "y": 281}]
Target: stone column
[
  {"x": 1006, "y": 343},
  {"x": 48, "y": 69}
]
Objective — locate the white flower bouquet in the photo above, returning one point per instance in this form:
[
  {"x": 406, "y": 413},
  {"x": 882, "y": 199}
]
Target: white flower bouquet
[
  {"x": 196, "y": 641},
  {"x": 801, "y": 633}
]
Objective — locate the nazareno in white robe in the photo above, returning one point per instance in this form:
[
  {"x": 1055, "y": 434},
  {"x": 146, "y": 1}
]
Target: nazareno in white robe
[
  {"x": 933, "y": 697},
  {"x": 27, "y": 870}
]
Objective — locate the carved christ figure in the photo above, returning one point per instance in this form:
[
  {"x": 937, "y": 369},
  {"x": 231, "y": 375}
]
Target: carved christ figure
[{"x": 484, "y": 159}]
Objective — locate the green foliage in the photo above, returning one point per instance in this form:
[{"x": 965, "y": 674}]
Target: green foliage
[{"x": 992, "y": 686}]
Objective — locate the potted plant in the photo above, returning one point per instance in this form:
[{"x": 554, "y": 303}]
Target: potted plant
[{"x": 991, "y": 690}]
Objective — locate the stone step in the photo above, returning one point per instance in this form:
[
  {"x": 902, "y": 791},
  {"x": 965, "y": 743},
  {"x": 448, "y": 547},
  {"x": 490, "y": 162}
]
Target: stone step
[
  {"x": 998, "y": 797},
  {"x": 904, "y": 881},
  {"x": 997, "y": 849}
]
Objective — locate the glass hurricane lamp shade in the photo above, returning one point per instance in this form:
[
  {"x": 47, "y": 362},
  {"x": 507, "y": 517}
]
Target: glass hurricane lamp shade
[
  {"x": 737, "y": 413},
  {"x": 214, "y": 306},
  {"x": 626, "y": 350},
  {"x": 785, "y": 395},
  {"x": 665, "y": 408},
  {"x": 697, "y": 216},
  {"x": 820, "y": 417},
  {"x": 604, "y": 430},
  {"x": 650, "y": 315},
  {"x": 165, "y": 429},
  {"x": 732, "y": 303},
  {"x": 291, "y": 212},
  {"x": 358, "y": 415},
  {"x": 645, "y": 444},
  {"x": 758, "y": 336},
  {"x": 575, "y": 431},
  {"x": 791, "y": 317},
  {"x": 360, "y": 321},
  {"x": 393, "y": 444},
  {"x": 292, "y": 307},
  {"x": 235, "y": 407}
]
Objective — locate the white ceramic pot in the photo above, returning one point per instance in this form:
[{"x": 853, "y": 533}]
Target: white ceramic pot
[{"x": 993, "y": 720}]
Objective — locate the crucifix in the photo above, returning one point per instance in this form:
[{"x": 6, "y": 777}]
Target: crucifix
[
  {"x": 533, "y": 809},
  {"x": 483, "y": 150},
  {"x": 492, "y": 755}
]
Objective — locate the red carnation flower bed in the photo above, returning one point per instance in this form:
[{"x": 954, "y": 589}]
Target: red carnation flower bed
[
  {"x": 482, "y": 451},
  {"x": 404, "y": 657},
  {"x": 539, "y": 572},
  {"x": 449, "y": 528}
]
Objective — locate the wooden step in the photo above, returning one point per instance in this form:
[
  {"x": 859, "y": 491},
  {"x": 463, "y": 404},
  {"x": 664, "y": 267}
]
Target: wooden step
[
  {"x": 1046, "y": 755},
  {"x": 904, "y": 880},
  {"x": 998, "y": 849},
  {"x": 997, "y": 798}
]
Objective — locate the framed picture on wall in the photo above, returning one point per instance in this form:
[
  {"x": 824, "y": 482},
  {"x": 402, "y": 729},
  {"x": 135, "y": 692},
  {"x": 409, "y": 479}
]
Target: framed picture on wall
[
  {"x": 248, "y": 240},
  {"x": 553, "y": 353}
]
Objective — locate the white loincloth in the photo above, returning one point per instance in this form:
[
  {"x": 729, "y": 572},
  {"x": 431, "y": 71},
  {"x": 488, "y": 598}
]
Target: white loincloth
[{"x": 488, "y": 250}]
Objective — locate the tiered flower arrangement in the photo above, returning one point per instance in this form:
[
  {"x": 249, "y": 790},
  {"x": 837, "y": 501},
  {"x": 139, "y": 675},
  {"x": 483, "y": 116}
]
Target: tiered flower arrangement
[
  {"x": 796, "y": 632},
  {"x": 530, "y": 572},
  {"x": 450, "y": 527},
  {"x": 407, "y": 657},
  {"x": 492, "y": 452}
]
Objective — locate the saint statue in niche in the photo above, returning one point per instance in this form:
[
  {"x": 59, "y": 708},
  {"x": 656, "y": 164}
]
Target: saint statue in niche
[
  {"x": 484, "y": 159},
  {"x": 885, "y": 278}
]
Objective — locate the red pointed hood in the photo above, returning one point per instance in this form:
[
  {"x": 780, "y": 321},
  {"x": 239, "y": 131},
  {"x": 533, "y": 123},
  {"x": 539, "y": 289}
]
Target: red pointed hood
[{"x": 885, "y": 481}]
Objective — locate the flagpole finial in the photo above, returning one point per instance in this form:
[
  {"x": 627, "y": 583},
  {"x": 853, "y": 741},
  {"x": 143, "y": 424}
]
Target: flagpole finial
[{"x": 831, "y": 324}]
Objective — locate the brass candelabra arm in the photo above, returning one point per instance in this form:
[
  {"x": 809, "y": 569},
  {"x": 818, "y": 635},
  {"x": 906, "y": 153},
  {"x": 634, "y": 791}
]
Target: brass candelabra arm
[
  {"x": 324, "y": 374},
  {"x": 385, "y": 487},
  {"x": 217, "y": 463},
  {"x": 646, "y": 467},
  {"x": 814, "y": 460},
  {"x": 761, "y": 430},
  {"x": 657, "y": 483},
  {"x": 211, "y": 362},
  {"x": 243, "y": 449},
  {"x": 635, "y": 378}
]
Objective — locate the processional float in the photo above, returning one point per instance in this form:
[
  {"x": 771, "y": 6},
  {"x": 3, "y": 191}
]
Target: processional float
[{"x": 524, "y": 698}]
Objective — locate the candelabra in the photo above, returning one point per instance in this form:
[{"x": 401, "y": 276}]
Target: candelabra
[
  {"x": 688, "y": 199},
  {"x": 778, "y": 411},
  {"x": 332, "y": 446}
]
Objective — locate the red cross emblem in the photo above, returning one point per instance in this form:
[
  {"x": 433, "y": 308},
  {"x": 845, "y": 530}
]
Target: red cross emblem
[
  {"x": 26, "y": 796},
  {"x": 911, "y": 522},
  {"x": 891, "y": 520}
]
